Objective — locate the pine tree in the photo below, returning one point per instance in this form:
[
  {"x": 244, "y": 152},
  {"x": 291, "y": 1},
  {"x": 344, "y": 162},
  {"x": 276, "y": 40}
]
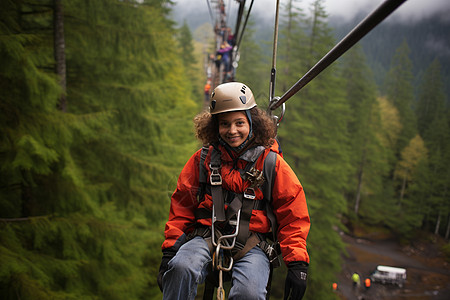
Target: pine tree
[
  {"x": 411, "y": 156},
  {"x": 431, "y": 100},
  {"x": 252, "y": 68},
  {"x": 368, "y": 155},
  {"x": 84, "y": 193},
  {"x": 187, "y": 51},
  {"x": 314, "y": 140},
  {"x": 401, "y": 93},
  {"x": 433, "y": 122},
  {"x": 292, "y": 45}
]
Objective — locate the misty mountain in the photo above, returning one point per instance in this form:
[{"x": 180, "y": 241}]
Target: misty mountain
[{"x": 428, "y": 39}]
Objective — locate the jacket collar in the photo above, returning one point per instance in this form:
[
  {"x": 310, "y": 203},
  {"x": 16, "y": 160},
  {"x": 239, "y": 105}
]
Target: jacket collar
[{"x": 250, "y": 155}]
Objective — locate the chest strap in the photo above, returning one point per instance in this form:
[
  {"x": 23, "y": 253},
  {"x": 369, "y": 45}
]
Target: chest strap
[
  {"x": 215, "y": 180},
  {"x": 245, "y": 202}
]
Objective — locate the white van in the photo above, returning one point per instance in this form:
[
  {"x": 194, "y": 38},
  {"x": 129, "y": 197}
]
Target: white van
[{"x": 385, "y": 274}]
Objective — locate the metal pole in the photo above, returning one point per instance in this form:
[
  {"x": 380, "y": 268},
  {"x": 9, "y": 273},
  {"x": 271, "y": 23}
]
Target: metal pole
[{"x": 366, "y": 25}]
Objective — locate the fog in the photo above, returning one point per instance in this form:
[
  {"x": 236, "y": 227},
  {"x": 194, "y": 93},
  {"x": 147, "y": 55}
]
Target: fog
[{"x": 410, "y": 11}]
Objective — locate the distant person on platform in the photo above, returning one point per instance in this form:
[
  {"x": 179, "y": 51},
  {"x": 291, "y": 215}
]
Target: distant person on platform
[{"x": 207, "y": 90}]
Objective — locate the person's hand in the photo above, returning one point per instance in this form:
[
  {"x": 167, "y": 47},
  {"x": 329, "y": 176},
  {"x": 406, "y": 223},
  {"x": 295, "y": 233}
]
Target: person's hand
[
  {"x": 295, "y": 285},
  {"x": 168, "y": 254}
]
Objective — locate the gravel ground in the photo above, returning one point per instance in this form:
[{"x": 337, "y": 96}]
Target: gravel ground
[{"x": 428, "y": 274}]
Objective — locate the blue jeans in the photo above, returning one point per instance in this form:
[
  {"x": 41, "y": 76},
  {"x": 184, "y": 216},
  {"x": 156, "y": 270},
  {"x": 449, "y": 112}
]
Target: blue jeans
[{"x": 188, "y": 269}]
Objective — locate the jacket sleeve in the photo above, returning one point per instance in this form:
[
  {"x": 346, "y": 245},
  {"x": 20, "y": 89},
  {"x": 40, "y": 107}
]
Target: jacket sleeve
[
  {"x": 289, "y": 204},
  {"x": 183, "y": 202}
]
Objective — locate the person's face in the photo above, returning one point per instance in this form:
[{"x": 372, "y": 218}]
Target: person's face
[{"x": 233, "y": 127}]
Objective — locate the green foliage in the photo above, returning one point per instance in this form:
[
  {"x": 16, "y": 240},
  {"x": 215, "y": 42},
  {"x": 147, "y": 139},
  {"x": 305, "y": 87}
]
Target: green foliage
[
  {"x": 446, "y": 250},
  {"x": 252, "y": 70},
  {"x": 187, "y": 51},
  {"x": 84, "y": 193},
  {"x": 431, "y": 101},
  {"x": 401, "y": 93},
  {"x": 314, "y": 140},
  {"x": 367, "y": 153}
]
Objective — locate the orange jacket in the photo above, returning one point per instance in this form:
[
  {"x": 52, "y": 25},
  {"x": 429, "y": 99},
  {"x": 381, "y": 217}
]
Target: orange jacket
[{"x": 289, "y": 203}]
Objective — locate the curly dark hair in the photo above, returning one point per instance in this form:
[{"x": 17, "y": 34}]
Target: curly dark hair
[{"x": 264, "y": 130}]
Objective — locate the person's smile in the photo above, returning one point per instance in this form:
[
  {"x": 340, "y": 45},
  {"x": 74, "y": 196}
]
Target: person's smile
[{"x": 233, "y": 127}]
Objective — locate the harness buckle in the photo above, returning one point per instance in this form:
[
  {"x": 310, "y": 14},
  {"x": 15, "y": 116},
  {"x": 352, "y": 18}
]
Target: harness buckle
[
  {"x": 271, "y": 252},
  {"x": 215, "y": 178},
  {"x": 249, "y": 193}
]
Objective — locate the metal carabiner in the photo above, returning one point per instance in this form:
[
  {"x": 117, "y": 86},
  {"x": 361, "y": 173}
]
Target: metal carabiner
[
  {"x": 215, "y": 178},
  {"x": 225, "y": 237},
  {"x": 249, "y": 193},
  {"x": 219, "y": 260}
]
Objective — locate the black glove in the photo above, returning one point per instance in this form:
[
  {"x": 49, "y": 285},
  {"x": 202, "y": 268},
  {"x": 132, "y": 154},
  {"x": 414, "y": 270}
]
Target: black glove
[
  {"x": 295, "y": 285},
  {"x": 168, "y": 254}
]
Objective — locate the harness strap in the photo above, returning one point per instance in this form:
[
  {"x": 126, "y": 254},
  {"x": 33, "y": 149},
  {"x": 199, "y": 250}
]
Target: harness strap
[
  {"x": 252, "y": 241},
  {"x": 202, "y": 178},
  {"x": 266, "y": 188},
  {"x": 216, "y": 187},
  {"x": 246, "y": 213},
  {"x": 234, "y": 207},
  {"x": 246, "y": 201}
]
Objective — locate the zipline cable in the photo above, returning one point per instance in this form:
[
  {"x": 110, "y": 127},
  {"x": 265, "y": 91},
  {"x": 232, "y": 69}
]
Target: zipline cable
[
  {"x": 245, "y": 25},
  {"x": 358, "y": 32},
  {"x": 210, "y": 13},
  {"x": 238, "y": 19},
  {"x": 273, "y": 71}
]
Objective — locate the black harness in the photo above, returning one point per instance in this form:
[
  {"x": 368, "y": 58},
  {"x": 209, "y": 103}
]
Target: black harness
[{"x": 240, "y": 205}]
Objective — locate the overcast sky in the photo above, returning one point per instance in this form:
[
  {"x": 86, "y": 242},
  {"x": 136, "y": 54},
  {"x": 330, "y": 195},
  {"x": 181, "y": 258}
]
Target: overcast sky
[{"x": 411, "y": 10}]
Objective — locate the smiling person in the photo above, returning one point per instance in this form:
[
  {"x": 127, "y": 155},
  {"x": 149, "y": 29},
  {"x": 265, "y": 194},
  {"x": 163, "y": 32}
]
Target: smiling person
[{"x": 237, "y": 199}]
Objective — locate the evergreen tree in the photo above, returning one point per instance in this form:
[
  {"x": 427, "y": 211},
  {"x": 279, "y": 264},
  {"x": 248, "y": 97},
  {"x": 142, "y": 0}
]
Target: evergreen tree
[
  {"x": 378, "y": 195},
  {"x": 433, "y": 123},
  {"x": 314, "y": 140},
  {"x": 84, "y": 193},
  {"x": 368, "y": 155},
  {"x": 252, "y": 68},
  {"x": 187, "y": 53},
  {"x": 292, "y": 51},
  {"x": 401, "y": 93},
  {"x": 413, "y": 159},
  {"x": 59, "y": 50},
  {"x": 411, "y": 156},
  {"x": 438, "y": 143},
  {"x": 431, "y": 102}
]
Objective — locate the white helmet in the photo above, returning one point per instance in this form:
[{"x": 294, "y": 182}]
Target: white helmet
[{"x": 231, "y": 96}]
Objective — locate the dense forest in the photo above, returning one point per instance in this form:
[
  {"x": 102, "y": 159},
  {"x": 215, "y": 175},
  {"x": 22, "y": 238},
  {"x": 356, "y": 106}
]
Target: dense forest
[{"x": 96, "y": 112}]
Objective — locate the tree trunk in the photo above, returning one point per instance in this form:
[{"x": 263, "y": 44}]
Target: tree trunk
[
  {"x": 438, "y": 224},
  {"x": 402, "y": 192},
  {"x": 358, "y": 191},
  {"x": 59, "y": 51},
  {"x": 447, "y": 232},
  {"x": 360, "y": 178}
]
